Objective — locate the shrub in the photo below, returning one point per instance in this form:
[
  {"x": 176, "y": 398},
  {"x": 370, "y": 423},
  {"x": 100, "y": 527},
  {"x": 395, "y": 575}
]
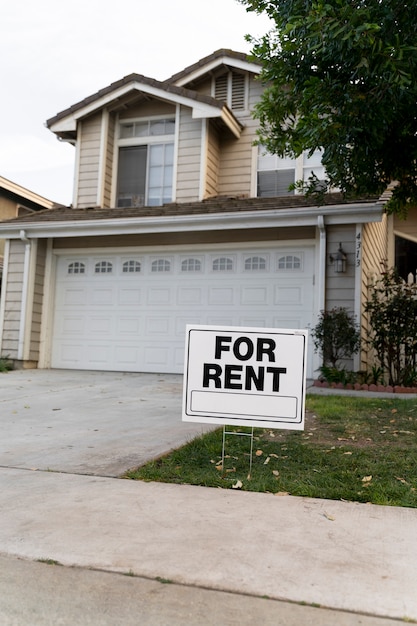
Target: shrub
[
  {"x": 5, "y": 364},
  {"x": 336, "y": 336},
  {"x": 392, "y": 310}
]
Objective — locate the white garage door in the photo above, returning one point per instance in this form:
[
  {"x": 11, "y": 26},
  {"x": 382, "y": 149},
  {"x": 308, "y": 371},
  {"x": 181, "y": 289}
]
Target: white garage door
[{"x": 128, "y": 311}]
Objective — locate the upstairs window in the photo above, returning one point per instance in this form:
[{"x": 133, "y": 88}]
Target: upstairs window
[
  {"x": 146, "y": 162},
  {"x": 276, "y": 174},
  {"x": 230, "y": 88}
]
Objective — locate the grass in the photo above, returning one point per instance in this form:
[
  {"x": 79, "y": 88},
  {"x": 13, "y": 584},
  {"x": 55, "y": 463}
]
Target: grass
[{"x": 352, "y": 448}]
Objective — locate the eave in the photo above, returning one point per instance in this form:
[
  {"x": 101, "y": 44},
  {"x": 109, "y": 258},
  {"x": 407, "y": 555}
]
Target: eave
[
  {"x": 305, "y": 216},
  {"x": 65, "y": 124}
]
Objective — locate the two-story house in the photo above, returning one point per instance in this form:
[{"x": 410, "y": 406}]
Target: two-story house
[{"x": 178, "y": 217}]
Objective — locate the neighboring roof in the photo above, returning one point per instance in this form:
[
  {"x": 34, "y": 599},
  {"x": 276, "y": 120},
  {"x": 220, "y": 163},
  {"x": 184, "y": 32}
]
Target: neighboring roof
[
  {"x": 24, "y": 196},
  {"x": 231, "y": 58},
  {"x": 220, "y": 213}
]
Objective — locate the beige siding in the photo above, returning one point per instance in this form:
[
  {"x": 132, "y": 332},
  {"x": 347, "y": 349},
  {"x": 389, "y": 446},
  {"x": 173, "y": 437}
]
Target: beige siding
[
  {"x": 184, "y": 238},
  {"x": 189, "y": 157},
  {"x": 236, "y": 160},
  {"x": 374, "y": 255},
  {"x": 213, "y": 157},
  {"x": 340, "y": 288},
  {"x": 13, "y": 297},
  {"x": 147, "y": 109},
  {"x": 37, "y": 301},
  {"x": 88, "y": 176},
  {"x": 109, "y": 162}
]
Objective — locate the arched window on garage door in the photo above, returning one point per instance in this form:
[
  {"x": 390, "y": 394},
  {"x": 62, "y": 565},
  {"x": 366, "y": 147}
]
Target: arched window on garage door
[{"x": 222, "y": 264}]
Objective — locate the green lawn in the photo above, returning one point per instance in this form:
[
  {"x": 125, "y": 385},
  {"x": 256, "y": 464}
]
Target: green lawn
[{"x": 352, "y": 448}]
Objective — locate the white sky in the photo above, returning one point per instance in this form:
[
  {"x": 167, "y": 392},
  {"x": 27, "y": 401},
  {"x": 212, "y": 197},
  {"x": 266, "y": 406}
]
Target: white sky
[{"x": 54, "y": 54}]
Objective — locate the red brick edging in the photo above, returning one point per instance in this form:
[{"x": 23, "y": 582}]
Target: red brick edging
[{"x": 359, "y": 387}]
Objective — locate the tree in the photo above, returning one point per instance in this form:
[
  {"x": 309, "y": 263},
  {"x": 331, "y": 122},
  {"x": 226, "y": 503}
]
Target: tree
[{"x": 341, "y": 76}]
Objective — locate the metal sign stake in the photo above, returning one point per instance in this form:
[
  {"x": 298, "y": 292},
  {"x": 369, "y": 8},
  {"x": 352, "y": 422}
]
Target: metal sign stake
[{"x": 233, "y": 432}]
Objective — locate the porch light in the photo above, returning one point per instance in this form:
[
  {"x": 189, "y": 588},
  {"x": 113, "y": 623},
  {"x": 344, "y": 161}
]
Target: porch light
[{"x": 340, "y": 261}]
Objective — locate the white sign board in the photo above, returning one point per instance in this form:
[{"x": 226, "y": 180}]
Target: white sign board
[{"x": 245, "y": 376}]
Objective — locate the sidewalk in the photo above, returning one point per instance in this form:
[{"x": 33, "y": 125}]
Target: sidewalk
[{"x": 347, "y": 556}]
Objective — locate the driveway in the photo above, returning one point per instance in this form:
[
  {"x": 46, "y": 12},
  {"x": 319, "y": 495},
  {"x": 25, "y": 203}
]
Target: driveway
[{"x": 98, "y": 423}]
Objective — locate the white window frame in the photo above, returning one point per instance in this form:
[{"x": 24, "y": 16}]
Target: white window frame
[
  {"x": 127, "y": 142},
  {"x": 301, "y": 170}
]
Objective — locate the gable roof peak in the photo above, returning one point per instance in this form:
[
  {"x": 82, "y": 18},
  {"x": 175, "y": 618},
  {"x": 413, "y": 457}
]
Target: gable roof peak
[{"x": 222, "y": 56}]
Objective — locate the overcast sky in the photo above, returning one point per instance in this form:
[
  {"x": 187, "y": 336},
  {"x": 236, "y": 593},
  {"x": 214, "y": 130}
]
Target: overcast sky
[{"x": 53, "y": 55}]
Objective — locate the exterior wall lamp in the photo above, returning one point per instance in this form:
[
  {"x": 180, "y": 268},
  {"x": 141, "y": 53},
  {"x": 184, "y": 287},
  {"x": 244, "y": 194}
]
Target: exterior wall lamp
[{"x": 339, "y": 260}]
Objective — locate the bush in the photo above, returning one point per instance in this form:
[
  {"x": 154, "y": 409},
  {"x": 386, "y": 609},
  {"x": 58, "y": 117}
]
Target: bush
[
  {"x": 392, "y": 310},
  {"x": 5, "y": 364},
  {"x": 336, "y": 336}
]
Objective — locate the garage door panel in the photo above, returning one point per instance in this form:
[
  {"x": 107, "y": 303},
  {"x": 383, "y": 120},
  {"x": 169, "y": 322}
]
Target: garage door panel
[
  {"x": 158, "y": 296},
  {"x": 254, "y": 295},
  {"x": 190, "y": 296},
  {"x": 221, "y": 296},
  {"x": 134, "y": 317},
  {"x": 126, "y": 325},
  {"x": 101, "y": 297},
  {"x": 76, "y": 297},
  {"x": 129, "y": 297}
]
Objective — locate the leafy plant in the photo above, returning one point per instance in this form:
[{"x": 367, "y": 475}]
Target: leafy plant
[
  {"x": 340, "y": 78},
  {"x": 392, "y": 310},
  {"x": 336, "y": 336},
  {"x": 5, "y": 364}
]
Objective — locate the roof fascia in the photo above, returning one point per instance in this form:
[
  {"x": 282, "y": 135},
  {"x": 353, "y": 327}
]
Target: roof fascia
[
  {"x": 305, "y": 216},
  {"x": 25, "y": 194},
  {"x": 69, "y": 122},
  {"x": 239, "y": 64}
]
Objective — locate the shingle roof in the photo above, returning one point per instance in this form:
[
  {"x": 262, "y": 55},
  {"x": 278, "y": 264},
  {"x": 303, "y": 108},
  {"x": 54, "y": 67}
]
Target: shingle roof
[
  {"x": 219, "y": 204},
  {"x": 131, "y": 79},
  {"x": 218, "y": 54}
]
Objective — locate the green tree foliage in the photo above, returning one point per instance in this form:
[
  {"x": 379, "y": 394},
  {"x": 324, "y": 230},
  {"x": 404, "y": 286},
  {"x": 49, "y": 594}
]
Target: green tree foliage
[
  {"x": 392, "y": 310},
  {"x": 341, "y": 76}
]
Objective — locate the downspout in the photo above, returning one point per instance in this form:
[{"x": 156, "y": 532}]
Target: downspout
[
  {"x": 25, "y": 286},
  {"x": 321, "y": 287},
  {"x": 321, "y": 282}
]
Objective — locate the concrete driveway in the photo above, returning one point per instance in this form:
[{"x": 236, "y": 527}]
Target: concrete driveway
[{"x": 98, "y": 423}]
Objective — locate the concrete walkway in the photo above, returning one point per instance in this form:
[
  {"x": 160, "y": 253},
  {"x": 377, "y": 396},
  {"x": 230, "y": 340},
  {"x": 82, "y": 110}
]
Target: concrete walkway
[{"x": 348, "y": 557}]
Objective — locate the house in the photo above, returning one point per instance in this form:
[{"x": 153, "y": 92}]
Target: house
[
  {"x": 178, "y": 217},
  {"x": 16, "y": 201}
]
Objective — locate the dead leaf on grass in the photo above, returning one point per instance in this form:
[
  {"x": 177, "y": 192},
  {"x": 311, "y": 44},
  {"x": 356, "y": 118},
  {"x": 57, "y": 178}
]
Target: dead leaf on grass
[
  {"x": 281, "y": 493},
  {"x": 259, "y": 453},
  {"x": 238, "y": 485},
  {"x": 366, "y": 479},
  {"x": 275, "y": 472},
  {"x": 268, "y": 458}
]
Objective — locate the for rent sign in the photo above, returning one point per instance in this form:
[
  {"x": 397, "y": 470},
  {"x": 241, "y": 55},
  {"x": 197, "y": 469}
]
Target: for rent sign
[{"x": 245, "y": 376}]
